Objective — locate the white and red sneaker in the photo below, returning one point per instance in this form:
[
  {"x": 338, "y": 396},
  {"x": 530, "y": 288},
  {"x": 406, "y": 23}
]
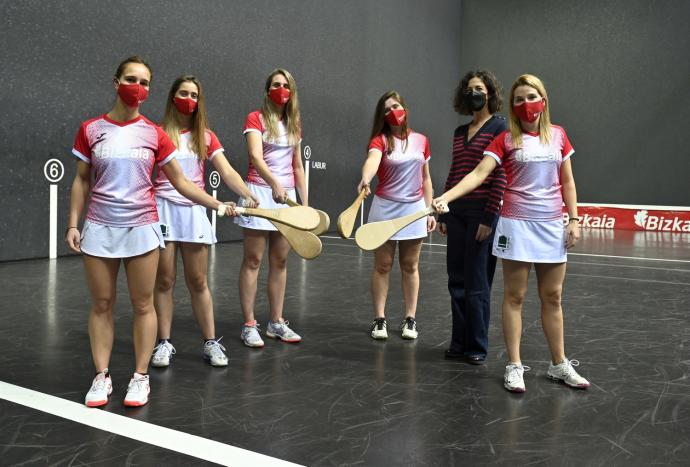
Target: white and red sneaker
[
  {"x": 101, "y": 388},
  {"x": 565, "y": 372},
  {"x": 138, "y": 391}
]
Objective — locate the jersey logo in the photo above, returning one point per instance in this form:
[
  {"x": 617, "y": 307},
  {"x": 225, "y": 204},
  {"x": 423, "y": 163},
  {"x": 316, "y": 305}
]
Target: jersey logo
[{"x": 99, "y": 138}]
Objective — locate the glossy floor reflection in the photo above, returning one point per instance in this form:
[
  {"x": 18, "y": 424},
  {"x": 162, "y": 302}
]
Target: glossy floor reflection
[{"x": 341, "y": 398}]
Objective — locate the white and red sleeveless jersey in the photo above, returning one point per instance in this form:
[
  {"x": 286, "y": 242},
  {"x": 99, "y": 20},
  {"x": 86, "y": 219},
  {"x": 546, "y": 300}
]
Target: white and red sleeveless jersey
[
  {"x": 278, "y": 153},
  {"x": 122, "y": 156},
  {"x": 401, "y": 172},
  {"x": 533, "y": 171},
  {"x": 192, "y": 167}
]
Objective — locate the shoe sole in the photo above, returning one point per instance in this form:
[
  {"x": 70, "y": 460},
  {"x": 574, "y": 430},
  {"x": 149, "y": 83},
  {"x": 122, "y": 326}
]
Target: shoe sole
[
  {"x": 475, "y": 362},
  {"x": 160, "y": 365},
  {"x": 410, "y": 337},
  {"x": 252, "y": 346},
  {"x": 574, "y": 386},
  {"x": 276, "y": 336},
  {"x": 515, "y": 390},
  {"x": 208, "y": 359},
  {"x": 96, "y": 403},
  {"x": 379, "y": 338},
  {"x": 135, "y": 403}
]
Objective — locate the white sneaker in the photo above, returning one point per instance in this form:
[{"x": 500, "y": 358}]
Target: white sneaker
[
  {"x": 409, "y": 328},
  {"x": 512, "y": 379},
  {"x": 282, "y": 331},
  {"x": 101, "y": 388},
  {"x": 162, "y": 354},
  {"x": 138, "y": 391},
  {"x": 214, "y": 353},
  {"x": 379, "y": 329},
  {"x": 565, "y": 372},
  {"x": 251, "y": 337}
]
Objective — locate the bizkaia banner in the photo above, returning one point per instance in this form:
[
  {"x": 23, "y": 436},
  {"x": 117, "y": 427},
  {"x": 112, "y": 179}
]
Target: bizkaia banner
[{"x": 623, "y": 217}]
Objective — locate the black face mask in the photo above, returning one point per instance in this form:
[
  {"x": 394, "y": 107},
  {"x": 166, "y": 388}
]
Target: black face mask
[{"x": 475, "y": 100}]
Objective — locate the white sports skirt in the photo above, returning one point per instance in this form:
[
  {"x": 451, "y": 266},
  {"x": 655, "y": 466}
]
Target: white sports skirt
[
  {"x": 384, "y": 209},
  {"x": 120, "y": 242},
  {"x": 265, "y": 197},
  {"x": 182, "y": 223},
  {"x": 530, "y": 241}
]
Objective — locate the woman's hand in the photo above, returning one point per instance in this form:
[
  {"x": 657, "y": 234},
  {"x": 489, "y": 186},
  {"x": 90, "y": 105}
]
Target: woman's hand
[
  {"x": 430, "y": 223},
  {"x": 483, "y": 232},
  {"x": 73, "y": 239},
  {"x": 364, "y": 185},
  {"x": 280, "y": 194},
  {"x": 440, "y": 205},
  {"x": 251, "y": 201},
  {"x": 572, "y": 233},
  {"x": 227, "y": 209},
  {"x": 442, "y": 229}
]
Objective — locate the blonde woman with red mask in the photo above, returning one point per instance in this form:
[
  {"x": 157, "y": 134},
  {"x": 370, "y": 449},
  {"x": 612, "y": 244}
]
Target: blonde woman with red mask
[
  {"x": 537, "y": 160},
  {"x": 116, "y": 155},
  {"x": 276, "y": 173},
  {"x": 184, "y": 224}
]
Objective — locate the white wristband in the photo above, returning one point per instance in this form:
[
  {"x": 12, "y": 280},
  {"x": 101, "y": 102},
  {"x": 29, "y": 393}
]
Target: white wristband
[{"x": 222, "y": 209}]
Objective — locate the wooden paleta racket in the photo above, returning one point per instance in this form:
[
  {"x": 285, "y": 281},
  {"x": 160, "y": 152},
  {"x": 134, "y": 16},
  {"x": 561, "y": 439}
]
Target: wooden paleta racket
[
  {"x": 374, "y": 234},
  {"x": 324, "y": 220},
  {"x": 299, "y": 217},
  {"x": 304, "y": 242},
  {"x": 346, "y": 219}
]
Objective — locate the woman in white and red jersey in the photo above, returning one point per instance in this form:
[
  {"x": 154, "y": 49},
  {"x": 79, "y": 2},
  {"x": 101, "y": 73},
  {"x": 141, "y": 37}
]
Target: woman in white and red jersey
[
  {"x": 184, "y": 224},
  {"x": 117, "y": 153},
  {"x": 537, "y": 160},
  {"x": 399, "y": 157},
  {"x": 275, "y": 170}
]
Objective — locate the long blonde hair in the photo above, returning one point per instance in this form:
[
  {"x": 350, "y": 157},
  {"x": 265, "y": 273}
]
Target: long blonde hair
[
  {"x": 381, "y": 126},
  {"x": 545, "y": 118},
  {"x": 291, "y": 116},
  {"x": 199, "y": 122}
]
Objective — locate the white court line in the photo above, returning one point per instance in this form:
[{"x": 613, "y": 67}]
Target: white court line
[
  {"x": 177, "y": 441},
  {"x": 574, "y": 254}
]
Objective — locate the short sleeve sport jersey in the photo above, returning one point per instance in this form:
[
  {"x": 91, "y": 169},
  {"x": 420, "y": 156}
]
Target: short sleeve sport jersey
[
  {"x": 401, "y": 169},
  {"x": 278, "y": 153},
  {"x": 122, "y": 156},
  {"x": 192, "y": 167},
  {"x": 533, "y": 171}
]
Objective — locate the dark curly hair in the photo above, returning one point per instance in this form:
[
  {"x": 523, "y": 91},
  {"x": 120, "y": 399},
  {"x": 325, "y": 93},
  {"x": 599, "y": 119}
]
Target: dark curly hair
[{"x": 495, "y": 96}]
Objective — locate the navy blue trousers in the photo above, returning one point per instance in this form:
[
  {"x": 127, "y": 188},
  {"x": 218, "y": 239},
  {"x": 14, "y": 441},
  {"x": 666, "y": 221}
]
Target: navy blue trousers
[{"x": 471, "y": 268}]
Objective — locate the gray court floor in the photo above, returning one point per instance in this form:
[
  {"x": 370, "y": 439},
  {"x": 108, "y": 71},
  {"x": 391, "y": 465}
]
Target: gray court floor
[{"x": 340, "y": 398}]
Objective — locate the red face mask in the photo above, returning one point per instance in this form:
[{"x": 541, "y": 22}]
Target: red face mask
[
  {"x": 279, "y": 95},
  {"x": 395, "y": 117},
  {"x": 132, "y": 94},
  {"x": 529, "y": 111},
  {"x": 185, "y": 106}
]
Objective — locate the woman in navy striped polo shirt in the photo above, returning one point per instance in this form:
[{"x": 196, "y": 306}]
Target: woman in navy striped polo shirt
[{"x": 471, "y": 221}]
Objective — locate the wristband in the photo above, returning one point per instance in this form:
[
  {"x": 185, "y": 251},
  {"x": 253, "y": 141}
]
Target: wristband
[
  {"x": 68, "y": 229},
  {"x": 577, "y": 219},
  {"x": 222, "y": 208}
]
